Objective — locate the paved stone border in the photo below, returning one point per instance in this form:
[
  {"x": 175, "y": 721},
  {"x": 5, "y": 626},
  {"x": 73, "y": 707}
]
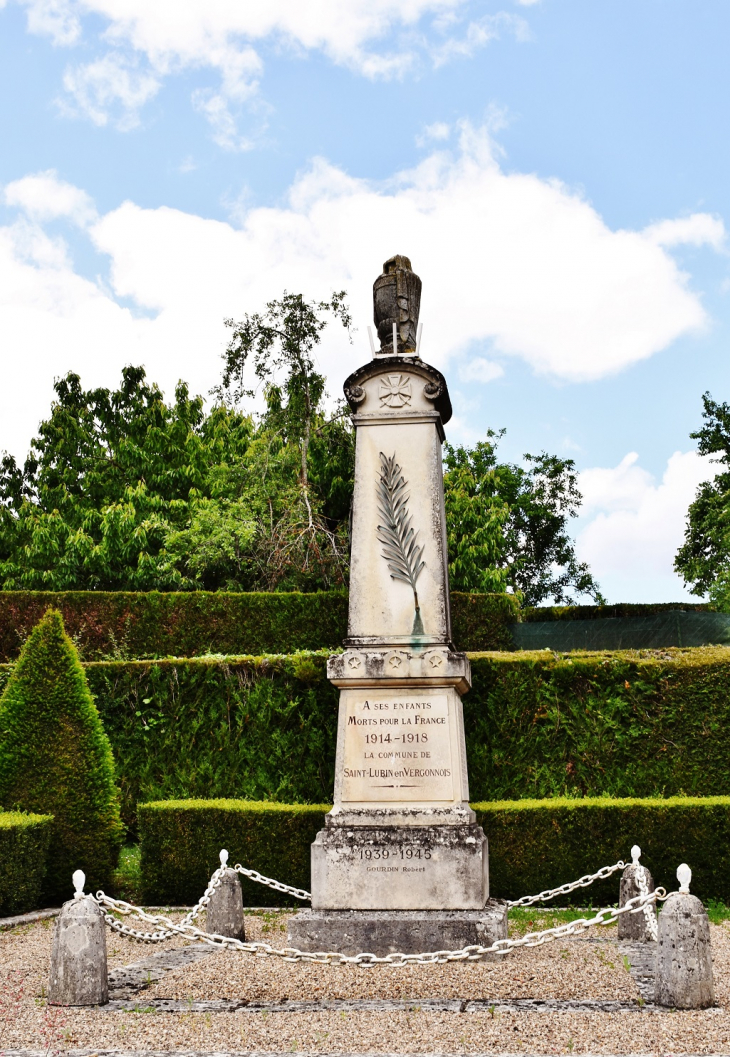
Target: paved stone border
[
  {"x": 642, "y": 961},
  {"x": 53, "y": 912},
  {"x": 426, "y": 1005},
  {"x": 127, "y": 981},
  {"x": 286, "y": 1053},
  {"x": 28, "y": 919}
]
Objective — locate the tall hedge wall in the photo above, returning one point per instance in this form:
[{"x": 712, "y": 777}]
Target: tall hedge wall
[
  {"x": 533, "y": 844},
  {"x": 126, "y": 625},
  {"x": 621, "y": 609},
  {"x": 537, "y": 725},
  {"x": 24, "y": 841}
]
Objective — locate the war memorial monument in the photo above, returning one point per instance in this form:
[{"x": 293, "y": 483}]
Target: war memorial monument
[{"x": 401, "y": 863}]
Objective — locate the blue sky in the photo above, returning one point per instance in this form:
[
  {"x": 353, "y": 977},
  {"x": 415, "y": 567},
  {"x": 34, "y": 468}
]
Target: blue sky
[{"x": 556, "y": 170}]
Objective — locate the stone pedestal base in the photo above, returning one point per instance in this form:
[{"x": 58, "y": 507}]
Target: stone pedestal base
[
  {"x": 384, "y": 932},
  {"x": 400, "y": 868}
]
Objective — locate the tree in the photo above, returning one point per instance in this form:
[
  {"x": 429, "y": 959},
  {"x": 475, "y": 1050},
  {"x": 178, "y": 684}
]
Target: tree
[
  {"x": 110, "y": 476},
  {"x": 122, "y": 491},
  {"x": 703, "y": 560},
  {"x": 55, "y": 758},
  {"x": 306, "y": 542},
  {"x": 507, "y": 525}
]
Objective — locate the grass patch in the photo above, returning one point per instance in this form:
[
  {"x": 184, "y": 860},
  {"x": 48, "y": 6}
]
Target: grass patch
[
  {"x": 530, "y": 919},
  {"x": 127, "y": 879},
  {"x": 717, "y": 911}
]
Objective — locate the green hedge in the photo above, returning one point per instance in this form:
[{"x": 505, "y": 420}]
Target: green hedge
[
  {"x": 622, "y": 609},
  {"x": 533, "y": 845},
  {"x": 24, "y": 841},
  {"x": 127, "y": 625},
  {"x": 181, "y": 840},
  {"x": 618, "y": 724},
  {"x": 655, "y": 723}
]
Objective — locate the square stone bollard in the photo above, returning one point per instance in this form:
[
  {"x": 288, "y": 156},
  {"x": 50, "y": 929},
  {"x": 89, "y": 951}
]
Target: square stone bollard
[
  {"x": 684, "y": 977},
  {"x": 225, "y": 909},
  {"x": 78, "y": 956},
  {"x": 640, "y": 926}
]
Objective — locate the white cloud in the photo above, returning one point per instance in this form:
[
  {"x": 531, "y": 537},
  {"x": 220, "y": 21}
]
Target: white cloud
[
  {"x": 44, "y": 197},
  {"x": 112, "y": 85},
  {"x": 638, "y": 525},
  {"x": 58, "y": 19},
  {"x": 480, "y": 33},
  {"x": 512, "y": 265},
  {"x": 699, "y": 229},
  {"x": 374, "y": 38},
  {"x": 439, "y": 130},
  {"x": 477, "y": 369}
]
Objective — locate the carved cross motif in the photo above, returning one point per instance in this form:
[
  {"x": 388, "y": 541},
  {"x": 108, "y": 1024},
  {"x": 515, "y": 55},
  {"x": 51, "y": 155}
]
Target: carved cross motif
[{"x": 395, "y": 391}]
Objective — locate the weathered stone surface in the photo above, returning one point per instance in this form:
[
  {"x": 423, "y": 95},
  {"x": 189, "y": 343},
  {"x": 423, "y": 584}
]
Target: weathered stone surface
[
  {"x": 401, "y": 836},
  {"x": 397, "y": 300},
  {"x": 400, "y": 868},
  {"x": 392, "y": 667},
  {"x": 225, "y": 910},
  {"x": 634, "y": 926},
  {"x": 384, "y": 932},
  {"x": 78, "y": 956},
  {"x": 401, "y": 747},
  {"x": 684, "y": 977},
  {"x": 382, "y": 608}
]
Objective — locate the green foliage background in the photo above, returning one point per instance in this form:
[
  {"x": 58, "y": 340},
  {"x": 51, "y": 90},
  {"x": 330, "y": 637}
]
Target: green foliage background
[
  {"x": 537, "y": 725},
  {"x": 55, "y": 758},
  {"x": 127, "y": 625},
  {"x": 532, "y": 844},
  {"x": 24, "y": 841}
]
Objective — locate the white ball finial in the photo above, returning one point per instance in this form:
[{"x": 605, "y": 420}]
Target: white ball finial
[
  {"x": 635, "y": 854},
  {"x": 224, "y": 857},
  {"x": 684, "y": 876},
  {"x": 79, "y": 880}
]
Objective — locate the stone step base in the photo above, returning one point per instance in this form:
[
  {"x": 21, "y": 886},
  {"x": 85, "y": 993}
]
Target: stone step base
[{"x": 382, "y": 932}]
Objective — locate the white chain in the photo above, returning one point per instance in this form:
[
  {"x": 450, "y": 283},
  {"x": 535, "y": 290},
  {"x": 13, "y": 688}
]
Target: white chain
[
  {"x": 159, "y": 935},
  {"x": 649, "y": 915},
  {"x": 278, "y": 886},
  {"x": 582, "y": 882},
  {"x": 474, "y": 952}
]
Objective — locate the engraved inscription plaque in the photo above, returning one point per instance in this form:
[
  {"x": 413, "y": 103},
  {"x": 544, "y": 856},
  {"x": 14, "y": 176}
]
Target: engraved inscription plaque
[{"x": 397, "y": 747}]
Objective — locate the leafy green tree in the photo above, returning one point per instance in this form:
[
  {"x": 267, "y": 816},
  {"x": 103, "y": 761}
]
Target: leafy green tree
[
  {"x": 703, "y": 560},
  {"x": 304, "y": 543},
  {"x": 55, "y": 758},
  {"x": 507, "y": 525},
  {"x": 110, "y": 476}
]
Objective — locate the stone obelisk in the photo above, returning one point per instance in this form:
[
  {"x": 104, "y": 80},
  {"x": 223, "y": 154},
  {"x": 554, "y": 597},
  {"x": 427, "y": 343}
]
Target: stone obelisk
[{"x": 401, "y": 863}]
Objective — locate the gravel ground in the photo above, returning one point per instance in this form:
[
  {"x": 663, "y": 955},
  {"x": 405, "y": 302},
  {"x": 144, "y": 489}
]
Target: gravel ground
[{"x": 590, "y": 967}]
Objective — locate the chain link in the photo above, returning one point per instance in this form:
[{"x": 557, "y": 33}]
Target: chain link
[
  {"x": 474, "y": 952},
  {"x": 582, "y": 882},
  {"x": 165, "y": 933},
  {"x": 649, "y": 915},
  {"x": 278, "y": 886}
]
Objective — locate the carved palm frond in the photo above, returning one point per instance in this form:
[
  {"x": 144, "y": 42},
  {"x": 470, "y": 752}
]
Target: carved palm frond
[{"x": 396, "y": 534}]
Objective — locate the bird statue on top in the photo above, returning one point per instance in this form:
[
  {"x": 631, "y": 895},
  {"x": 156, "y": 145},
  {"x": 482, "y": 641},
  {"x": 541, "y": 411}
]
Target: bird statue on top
[{"x": 397, "y": 300}]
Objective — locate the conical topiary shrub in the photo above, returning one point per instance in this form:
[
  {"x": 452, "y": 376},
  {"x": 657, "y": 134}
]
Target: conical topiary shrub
[{"x": 55, "y": 758}]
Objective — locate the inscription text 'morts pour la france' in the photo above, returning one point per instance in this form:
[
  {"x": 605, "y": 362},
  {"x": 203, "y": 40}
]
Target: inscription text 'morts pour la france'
[{"x": 397, "y": 748}]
